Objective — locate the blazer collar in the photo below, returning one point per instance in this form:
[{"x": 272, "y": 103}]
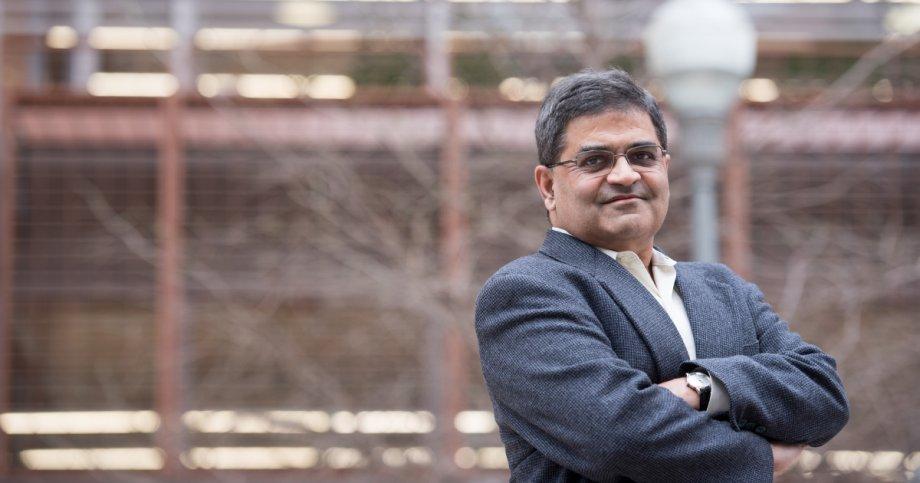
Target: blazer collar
[
  {"x": 640, "y": 307},
  {"x": 571, "y": 251}
]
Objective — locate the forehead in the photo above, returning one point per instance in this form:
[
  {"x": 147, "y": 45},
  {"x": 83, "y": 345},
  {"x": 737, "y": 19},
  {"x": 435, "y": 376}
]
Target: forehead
[{"x": 609, "y": 128}]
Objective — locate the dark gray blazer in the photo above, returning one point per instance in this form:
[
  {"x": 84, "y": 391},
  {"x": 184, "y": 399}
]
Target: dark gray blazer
[{"x": 572, "y": 346}]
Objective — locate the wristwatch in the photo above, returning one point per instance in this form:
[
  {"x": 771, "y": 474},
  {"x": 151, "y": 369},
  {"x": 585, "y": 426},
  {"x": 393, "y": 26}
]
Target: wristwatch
[{"x": 702, "y": 384}]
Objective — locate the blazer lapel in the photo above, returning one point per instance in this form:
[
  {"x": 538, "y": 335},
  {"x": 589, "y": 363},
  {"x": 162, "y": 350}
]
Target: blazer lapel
[
  {"x": 640, "y": 307},
  {"x": 710, "y": 308}
]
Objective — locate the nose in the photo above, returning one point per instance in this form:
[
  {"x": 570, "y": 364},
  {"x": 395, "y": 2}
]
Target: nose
[{"x": 622, "y": 173}]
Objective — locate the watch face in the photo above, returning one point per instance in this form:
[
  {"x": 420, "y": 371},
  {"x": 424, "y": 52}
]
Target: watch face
[
  {"x": 697, "y": 380},
  {"x": 701, "y": 383}
]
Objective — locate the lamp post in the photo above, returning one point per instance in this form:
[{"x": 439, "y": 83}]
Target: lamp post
[{"x": 701, "y": 50}]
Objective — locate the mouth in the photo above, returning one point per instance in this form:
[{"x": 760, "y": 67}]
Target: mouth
[{"x": 622, "y": 198}]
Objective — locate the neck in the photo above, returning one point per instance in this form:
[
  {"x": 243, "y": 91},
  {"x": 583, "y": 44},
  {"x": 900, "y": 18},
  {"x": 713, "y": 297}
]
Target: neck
[{"x": 646, "y": 257}]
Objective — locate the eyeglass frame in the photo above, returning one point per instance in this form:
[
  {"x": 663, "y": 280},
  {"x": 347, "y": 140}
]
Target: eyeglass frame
[{"x": 616, "y": 156}]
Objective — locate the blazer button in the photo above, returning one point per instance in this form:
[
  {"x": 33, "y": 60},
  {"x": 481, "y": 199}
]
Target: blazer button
[{"x": 760, "y": 429}]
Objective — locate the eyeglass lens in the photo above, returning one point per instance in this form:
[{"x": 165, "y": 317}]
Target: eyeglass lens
[{"x": 640, "y": 158}]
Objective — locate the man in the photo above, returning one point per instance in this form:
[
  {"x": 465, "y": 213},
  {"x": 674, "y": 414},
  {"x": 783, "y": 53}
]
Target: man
[{"x": 608, "y": 361}]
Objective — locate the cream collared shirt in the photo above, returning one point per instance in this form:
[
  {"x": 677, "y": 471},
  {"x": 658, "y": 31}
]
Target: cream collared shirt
[{"x": 660, "y": 283}]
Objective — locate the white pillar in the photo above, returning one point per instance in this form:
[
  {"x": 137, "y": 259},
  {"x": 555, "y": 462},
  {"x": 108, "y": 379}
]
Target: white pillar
[
  {"x": 36, "y": 57},
  {"x": 437, "y": 59},
  {"x": 184, "y": 15},
  {"x": 84, "y": 60}
]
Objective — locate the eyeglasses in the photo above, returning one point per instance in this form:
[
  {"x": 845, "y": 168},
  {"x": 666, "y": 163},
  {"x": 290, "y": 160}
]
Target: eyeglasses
[{"x": 600, "y": 161}]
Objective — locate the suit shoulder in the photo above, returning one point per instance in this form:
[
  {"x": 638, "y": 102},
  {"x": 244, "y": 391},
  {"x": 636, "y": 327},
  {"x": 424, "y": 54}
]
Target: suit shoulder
[
  {"x": 536, "y": 266},
  {"x": 535, "y": 271}
]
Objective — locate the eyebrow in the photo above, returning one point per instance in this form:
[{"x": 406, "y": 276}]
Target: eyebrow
[{"x": 604, "y": 147}]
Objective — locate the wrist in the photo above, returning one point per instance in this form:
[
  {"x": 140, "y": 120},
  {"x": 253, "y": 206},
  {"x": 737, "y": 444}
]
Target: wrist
[{"x": 691, "y": 397}]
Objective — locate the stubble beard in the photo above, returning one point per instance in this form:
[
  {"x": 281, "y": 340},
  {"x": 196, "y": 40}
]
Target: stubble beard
[{"x": 634, "y": 225}]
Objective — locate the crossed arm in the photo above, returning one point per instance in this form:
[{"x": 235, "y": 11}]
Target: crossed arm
[
  {"x": 783, "y": 355},
  {"x": 784, "y": 455},
  {"x": 789, "y": 390},
  {"x": 550, "y": 366}
]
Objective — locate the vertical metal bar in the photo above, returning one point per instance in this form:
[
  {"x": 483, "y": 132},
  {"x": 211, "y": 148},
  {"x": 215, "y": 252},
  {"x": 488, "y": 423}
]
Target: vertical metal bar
[
  {"x": 455, "y": 261},
  {"x": 7, "y": 245},
  {"x": 170, "y": 308},
  {"x": 435, "y": 80},
  {"x": 736, "y": 201},
  {"x": 450, "y": 351},
  {"x": 171, "y": 303}
]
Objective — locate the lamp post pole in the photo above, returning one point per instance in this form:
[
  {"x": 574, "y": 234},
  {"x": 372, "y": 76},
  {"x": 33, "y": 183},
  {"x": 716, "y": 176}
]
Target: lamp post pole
[
  {"x": 701, "y": 50},
  {"x": 704, "y": 151}
]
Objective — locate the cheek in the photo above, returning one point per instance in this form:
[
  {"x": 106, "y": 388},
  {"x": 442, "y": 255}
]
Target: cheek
[
  {"x": 664, "y": 195},
  {"x": 578, "y": 194},
  {"x": 587, "y": 191},
  {"x": 659, "y": 186},
  {"x": 563, "y": 198}
]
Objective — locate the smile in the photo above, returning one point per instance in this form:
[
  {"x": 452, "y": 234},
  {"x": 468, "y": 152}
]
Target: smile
[{"x": 616, "y": 199}]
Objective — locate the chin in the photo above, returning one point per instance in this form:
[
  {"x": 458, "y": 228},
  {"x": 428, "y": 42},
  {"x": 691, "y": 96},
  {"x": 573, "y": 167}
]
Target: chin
[{"x": 625, "y": 224}]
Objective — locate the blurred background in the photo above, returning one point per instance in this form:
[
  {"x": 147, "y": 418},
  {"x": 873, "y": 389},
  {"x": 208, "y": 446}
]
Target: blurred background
[{"x": 241, "y": 240}]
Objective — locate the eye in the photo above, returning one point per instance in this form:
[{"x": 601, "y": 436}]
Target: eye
[
  {"x": 594, "y": 161},
  {"x": 643, "y": 156}
]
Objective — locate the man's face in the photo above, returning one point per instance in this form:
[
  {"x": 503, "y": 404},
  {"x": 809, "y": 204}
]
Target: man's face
[{"x": 621, "y": 210}]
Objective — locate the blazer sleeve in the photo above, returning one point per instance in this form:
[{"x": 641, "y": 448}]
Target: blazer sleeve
[
  {"x": 788, "y": 392},
  {"x": 551, "y": 369}
]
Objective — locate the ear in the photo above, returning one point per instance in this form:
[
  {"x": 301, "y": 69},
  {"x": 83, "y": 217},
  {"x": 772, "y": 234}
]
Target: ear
[{"x": 543, "y": 176}]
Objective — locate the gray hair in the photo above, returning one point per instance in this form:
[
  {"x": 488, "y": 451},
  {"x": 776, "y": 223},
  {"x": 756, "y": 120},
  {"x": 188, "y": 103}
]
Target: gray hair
[{"x": 588, "y": 93}]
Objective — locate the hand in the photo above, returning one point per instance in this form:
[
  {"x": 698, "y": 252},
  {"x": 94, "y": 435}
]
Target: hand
[
  {"x": 784, "y": 456},
  {"x": 680, "y": 389}
]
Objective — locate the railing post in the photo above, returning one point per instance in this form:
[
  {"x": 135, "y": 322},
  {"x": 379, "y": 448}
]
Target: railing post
[
  {"x": 736, "y": 200},
  {"x": 7, "y": 246},
  {"x": 447, "y": 346},
  {"x": 170, "y": 299}
]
